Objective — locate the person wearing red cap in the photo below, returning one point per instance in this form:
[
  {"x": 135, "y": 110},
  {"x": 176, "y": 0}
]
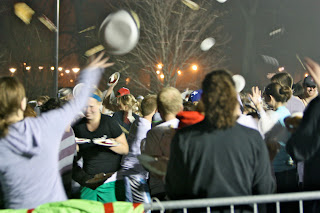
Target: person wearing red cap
[{"x": 123, "y": 91}]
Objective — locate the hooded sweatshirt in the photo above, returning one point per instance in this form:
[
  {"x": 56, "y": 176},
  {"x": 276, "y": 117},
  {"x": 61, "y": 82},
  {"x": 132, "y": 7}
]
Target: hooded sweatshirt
[{"x": 29, "y": 154}]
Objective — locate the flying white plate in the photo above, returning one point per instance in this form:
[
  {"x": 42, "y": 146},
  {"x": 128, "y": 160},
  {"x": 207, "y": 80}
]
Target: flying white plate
[
  {"x": 114, "y": 78},
  {"x": 120, "y": 32},
  {"x": 240, "y": 82},
  {"x": 221, "y": 1},
  {"x": 207, "y": 44},
  {"x": 77, "y": 89}
]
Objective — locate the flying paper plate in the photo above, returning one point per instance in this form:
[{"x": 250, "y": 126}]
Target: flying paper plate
[
  {"x": 240, "y": 82},
  {"x": 77, "y": 89},
  {"x": 114, "y": 78},
  {"x": 119, "y": 32},
  {"x": 207, "y": 44},
  {"x": 192, "y": 5}
]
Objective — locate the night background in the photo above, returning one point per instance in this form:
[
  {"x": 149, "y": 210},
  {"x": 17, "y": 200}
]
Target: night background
[{"x": 242, "y": 32}]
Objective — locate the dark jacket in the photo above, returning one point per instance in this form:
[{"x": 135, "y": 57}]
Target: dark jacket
[
  {"x": 207, "y": 163},
  {"x": 304, "y": 145}
]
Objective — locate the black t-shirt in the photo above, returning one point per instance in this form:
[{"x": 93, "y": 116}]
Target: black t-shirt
[{"x": 97, "y": 158}]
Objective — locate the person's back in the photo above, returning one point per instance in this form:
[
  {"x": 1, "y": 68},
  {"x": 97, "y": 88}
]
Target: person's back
[
  {"x": 218, "y": 163},
  {"x": 158, "y": 139},
  {"x": 218, "y": 157},
  {"x": 294, "y": 104},
  {"x": 32, "y": 173},
  {"x": 134, "y": 174},
  {"x": 137, "y": 133}
]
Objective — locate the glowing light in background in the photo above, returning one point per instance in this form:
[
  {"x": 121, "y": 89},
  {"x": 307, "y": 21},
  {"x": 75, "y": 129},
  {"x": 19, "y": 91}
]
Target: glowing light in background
[
  {"x": 12, "y": 70},
  {"x": 75, "y": 69}
]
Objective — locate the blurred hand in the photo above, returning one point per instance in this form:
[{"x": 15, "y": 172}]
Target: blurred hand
[
  {"x": 99, "y": 61},
  {"x": 314, "y": 70},
  {"x": 256, "y": 96}
]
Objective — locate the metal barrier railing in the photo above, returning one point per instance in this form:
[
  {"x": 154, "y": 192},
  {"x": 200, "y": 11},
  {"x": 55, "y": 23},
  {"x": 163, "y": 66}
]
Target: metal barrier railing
[{"x": 234, "y": 201}]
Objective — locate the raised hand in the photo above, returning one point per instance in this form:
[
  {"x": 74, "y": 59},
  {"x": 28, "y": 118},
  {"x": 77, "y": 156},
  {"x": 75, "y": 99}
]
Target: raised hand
[
  {"x": 99, "y": 61},
  {"x": 314, "y": 70},
  {"x": 256, "y": 96}
]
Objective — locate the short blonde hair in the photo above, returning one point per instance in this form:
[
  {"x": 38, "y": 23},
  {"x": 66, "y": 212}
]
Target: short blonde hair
[
  {"x": 169, "y": 101},
  {"x": 148, "y": 105}
]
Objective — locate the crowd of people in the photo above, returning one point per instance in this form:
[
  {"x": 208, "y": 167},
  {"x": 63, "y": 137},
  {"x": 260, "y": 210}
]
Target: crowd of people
[{"x": 207, "y": 143}]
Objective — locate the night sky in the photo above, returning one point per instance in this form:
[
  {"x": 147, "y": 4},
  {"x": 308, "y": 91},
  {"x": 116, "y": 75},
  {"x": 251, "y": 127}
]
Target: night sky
[{"x": 299, "y": 19}]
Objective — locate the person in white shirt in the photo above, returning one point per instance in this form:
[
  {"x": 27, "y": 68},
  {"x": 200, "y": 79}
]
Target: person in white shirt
[{"x": 134, "y": 174}]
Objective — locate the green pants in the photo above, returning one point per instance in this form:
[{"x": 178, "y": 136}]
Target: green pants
[{"x": 106, "y": 193}]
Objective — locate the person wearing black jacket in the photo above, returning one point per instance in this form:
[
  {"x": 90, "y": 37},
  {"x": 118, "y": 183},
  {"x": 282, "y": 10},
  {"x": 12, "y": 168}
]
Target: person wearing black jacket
[
  {"x": 218, "y": 157},
  {"x": 304, "y": 144}
]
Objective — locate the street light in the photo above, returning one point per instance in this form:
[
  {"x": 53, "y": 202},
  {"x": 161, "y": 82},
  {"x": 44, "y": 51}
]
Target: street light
[
  {"x": 158, "y": 72},
  {"x": 76, "y": 69},
  {"x": 179, "y": 72},
  {"x": 28, "y": 67},
  {"x": 306, "y": 75},
  {"x": 194, "y": 67},
  {"x": 162, "y": 76},
  {"x": 159, "y": 66},
  {"x": 60, "y": 68},
  {"x": 40, "y": 67},
  {"x": 67, "y": 71},
  {"x": 52, "y": 68},
  {"x": 127, "y": 81},
  {"x": 12, "y": 70}
]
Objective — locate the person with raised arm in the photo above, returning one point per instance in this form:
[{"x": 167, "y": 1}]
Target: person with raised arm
[{"x": 29, "y": 147}]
